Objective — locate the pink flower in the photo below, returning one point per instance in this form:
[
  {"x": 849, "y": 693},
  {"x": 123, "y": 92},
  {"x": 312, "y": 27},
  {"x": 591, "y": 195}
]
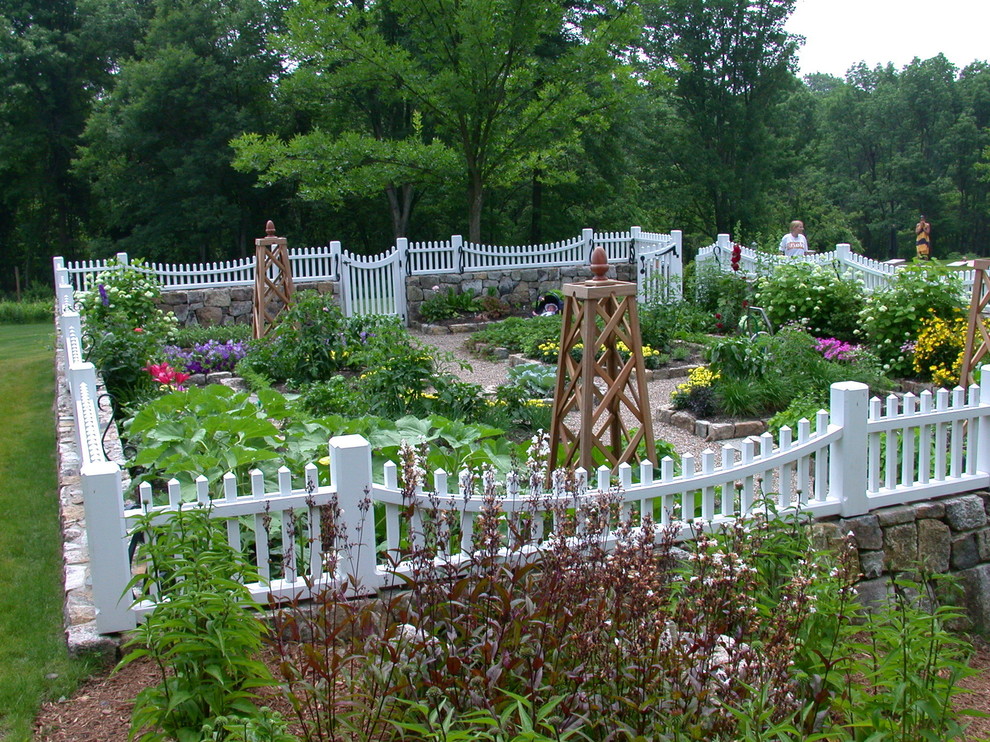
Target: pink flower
[{"x": 138, "y": 329}]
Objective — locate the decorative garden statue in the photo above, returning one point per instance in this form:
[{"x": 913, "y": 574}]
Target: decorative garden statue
[{"x": 923, "y": 242}]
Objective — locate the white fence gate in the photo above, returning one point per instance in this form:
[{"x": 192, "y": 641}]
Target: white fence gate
[
  {"x": 659, "y": 268},
  {"x": 374, "y": 284}
]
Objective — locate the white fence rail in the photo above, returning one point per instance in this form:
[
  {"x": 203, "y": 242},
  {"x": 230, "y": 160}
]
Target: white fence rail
[
  {"x": 873, "y": 273},
  {"x": 419, "y": 258}
]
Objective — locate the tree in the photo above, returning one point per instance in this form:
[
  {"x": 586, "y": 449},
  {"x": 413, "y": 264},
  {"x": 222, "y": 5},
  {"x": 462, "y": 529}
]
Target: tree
[
  {"x": 503, "y": 88},
  {"x": 731, "y": 63},
  {"x": 156, "y": 147},
  {"x": 43, "y": 103}
]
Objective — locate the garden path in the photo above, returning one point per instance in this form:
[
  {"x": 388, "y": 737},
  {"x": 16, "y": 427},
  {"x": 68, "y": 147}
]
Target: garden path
[{"x": 489, "y": 373}]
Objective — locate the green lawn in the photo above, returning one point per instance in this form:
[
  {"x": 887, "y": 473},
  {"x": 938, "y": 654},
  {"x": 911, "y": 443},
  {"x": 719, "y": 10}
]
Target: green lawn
[{"x": 34, "y": 664}]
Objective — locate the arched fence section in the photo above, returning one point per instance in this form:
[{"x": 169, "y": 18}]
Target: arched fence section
[
  {"x": 874, "y": 274},
  {"x": 377, "y": 283}
]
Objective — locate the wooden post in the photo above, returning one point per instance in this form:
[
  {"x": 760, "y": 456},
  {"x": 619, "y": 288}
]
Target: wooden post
[
  {"x": 981, "y": 295},
  {"x": 599, "y": 314},
  {"x": 271, "y": 255}
]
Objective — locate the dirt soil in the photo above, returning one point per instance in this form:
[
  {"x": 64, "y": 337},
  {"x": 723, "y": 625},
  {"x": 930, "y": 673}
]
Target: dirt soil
[{"x": 101, "y": 708}]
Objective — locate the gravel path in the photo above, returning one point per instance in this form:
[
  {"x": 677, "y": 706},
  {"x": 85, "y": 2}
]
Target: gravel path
[{"x": 494, "y": 373}]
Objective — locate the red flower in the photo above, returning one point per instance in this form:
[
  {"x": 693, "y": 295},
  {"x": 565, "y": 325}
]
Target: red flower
[
  {"x": 718, "y": 316},
  {"x": 719, "y": 325},
  {"x": 745, "y": 303},
  {"x": 138, "y": 329}
]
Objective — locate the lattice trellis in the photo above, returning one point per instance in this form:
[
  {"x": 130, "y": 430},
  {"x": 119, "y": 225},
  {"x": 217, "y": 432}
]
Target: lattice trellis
[
  {"x": 273, "y": 287},
  {"x": 598, "y": 315},
  {"x": 981, "y": 296}
]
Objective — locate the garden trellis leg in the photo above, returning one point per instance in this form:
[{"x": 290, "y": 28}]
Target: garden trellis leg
[
  {"x": 598, "y": 315},
  {"x": 273, "y": 286},
  {"x": 981, "y": 295}
]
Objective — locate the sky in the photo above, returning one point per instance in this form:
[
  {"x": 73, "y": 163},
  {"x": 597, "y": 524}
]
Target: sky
[{"x": 840, "y": 33}]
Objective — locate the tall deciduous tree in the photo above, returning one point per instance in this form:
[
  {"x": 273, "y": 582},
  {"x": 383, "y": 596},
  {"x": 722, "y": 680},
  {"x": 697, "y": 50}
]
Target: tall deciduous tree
[
  {"x": 503, "y": 88},
  {"x": 43, "y": 104},
  {"x": 156, "y": 148},
  {"x": 732, "y": 63}
]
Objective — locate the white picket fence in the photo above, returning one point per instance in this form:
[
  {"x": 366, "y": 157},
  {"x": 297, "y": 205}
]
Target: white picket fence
[
  {"x": 864, "y": 454},
  {"x": 873, "y": 273},
  {"x": 376, "y": 284}
]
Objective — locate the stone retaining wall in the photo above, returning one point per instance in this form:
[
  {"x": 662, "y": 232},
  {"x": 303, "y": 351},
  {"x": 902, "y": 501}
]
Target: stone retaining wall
[
  {"x": 518, "y": 287},
  {"x": 945, "y": 536},
  {"x": 231, "y": 305}
]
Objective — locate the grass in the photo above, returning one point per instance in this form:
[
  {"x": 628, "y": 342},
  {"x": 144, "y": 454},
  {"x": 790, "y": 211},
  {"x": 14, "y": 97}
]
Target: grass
[{"x": 34, "y": 662}]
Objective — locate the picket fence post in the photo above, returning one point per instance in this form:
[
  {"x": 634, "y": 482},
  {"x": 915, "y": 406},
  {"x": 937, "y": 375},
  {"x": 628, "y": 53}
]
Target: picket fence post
[
  {"x": 677, "y": 265},
  {"x": 588, "y": 237},
  {"x": 103, "y": 501},
  {"x": 350, "y": 474},
  {"x": 849, "y": 408}
]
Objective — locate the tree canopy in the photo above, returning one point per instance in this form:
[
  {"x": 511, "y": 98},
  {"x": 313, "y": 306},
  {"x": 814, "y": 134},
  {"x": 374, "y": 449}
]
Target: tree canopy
[{"x": 174, "y": 129}]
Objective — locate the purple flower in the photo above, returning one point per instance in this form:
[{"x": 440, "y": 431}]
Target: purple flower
[{"x": 103, "y": 295}]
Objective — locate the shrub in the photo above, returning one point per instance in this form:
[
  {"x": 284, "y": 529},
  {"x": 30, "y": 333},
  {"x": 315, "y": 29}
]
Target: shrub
[
  {"x": 723, "y": 296},
  {"x": 938, "y": 352},
  {"x": 25, "y": 312},
  {"x": 450, "y": 305},
  {"x": 313, "y": 341},
  {"x": 125, "y": 330},
  {"x": 892, "y": 316},
  {"x": 825, "y": 302},
  {"x": 187, "y": 337},
  {"x": 204, "y": 358},
  {"x": 696, "y": 395},
  {"x": 751, "y": 635},
  {"x": 762, "y": 374},
  {"x": 660, "y": 324},
  {"x": 205, "y": 633},
  {"x": 520, "y": 334}
]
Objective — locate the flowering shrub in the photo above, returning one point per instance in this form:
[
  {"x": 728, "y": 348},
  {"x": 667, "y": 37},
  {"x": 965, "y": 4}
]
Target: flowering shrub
[
  {"x": 125, "y": 329},
  {"x": 892, "y": 316},
  {"x": 827, "y": 303},
  {"x": 834, "y": 349},
  {"x": 697, "y": 395},
  {"x": 939, "y": 350},
  {"x": 124, "y": 295},
  {"x": 312, "y": 341}
]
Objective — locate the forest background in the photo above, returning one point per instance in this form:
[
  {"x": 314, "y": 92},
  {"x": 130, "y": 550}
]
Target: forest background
[{"x": 173, "y": 129}]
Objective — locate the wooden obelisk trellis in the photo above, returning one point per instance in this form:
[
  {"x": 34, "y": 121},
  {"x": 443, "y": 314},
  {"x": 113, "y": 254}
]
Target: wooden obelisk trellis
[
  {"x": 272, "y": 279},
  {"x": 598, "y": 315},
  {"x": 981, "y": 296}
]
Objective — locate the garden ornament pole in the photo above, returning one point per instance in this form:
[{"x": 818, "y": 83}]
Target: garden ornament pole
[
  {"x": 600, "y": 315},
  {"x": 273, "y": 286}
]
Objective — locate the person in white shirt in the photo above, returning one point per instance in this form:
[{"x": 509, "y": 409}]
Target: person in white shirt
[{"x": 794, "y": 244}]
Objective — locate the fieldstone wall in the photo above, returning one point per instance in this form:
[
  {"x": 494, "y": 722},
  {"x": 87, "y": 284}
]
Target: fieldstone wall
[
  {"x": 222, "y": 306},
  {"x": 519, "y": 287},
  {"x": 949, "y": 535}
]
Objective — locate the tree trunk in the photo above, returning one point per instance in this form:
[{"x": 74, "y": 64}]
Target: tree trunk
[
  {"x": 475, "y": 199},
  {"x": 536, "y": 216}
]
